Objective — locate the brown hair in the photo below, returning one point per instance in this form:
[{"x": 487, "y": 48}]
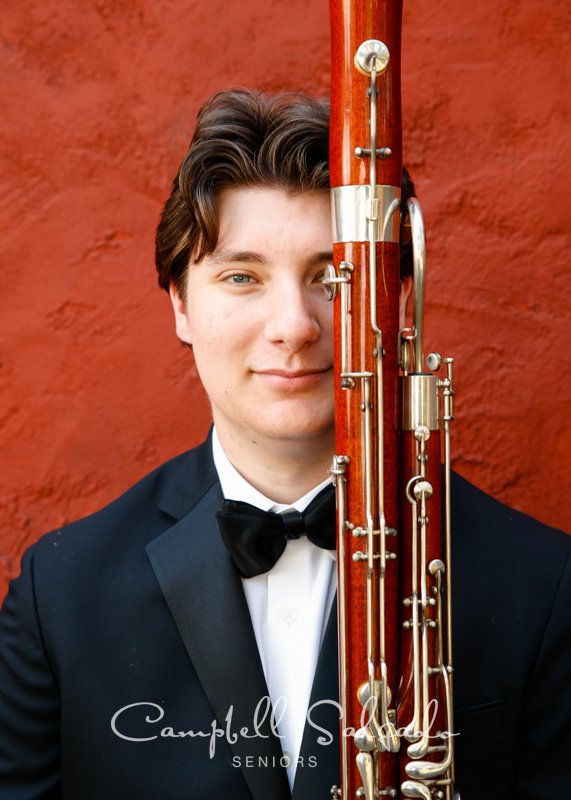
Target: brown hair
[{"x": 242, "y": 138}]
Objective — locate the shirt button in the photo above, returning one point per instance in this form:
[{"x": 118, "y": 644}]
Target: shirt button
[
  {"x": 288, "y": 615},
  {"x": 287, "y": 759}
]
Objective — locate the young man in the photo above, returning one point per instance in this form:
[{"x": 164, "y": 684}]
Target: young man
[{"x": 141, "y": 652}]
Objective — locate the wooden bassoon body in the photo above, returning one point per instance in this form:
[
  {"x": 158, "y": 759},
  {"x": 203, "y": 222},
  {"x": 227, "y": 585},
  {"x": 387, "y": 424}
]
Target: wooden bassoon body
[{"x": 392, "y": 412}]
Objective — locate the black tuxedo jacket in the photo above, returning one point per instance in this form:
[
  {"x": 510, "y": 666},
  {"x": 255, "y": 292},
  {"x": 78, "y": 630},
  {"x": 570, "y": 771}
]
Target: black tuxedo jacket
[{"x": 129, "y": 668}]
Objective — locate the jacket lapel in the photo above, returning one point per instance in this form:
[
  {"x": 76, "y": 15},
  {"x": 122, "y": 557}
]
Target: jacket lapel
[{"x": 204, "y": 593}]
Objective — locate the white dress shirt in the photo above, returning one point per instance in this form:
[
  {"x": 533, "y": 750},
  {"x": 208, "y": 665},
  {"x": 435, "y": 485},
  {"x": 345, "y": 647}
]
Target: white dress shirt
[{"x": 289, "y": 607}]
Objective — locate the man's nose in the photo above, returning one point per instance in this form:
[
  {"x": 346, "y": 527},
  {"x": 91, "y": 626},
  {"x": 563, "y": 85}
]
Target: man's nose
[{"x": 291, "y": 318}]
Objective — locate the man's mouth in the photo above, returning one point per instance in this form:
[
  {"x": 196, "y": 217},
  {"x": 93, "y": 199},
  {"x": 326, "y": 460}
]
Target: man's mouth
[{"x": 294, "y": 379}]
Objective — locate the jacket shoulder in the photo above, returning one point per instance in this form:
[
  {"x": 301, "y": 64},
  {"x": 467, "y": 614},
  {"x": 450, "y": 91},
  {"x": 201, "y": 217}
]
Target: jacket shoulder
[
  {"x": 141, "y": 513},
  {"x": 508, "y": 571},
  {"x": 482, "y": 522},
  {"x": 509, "y": 579}
]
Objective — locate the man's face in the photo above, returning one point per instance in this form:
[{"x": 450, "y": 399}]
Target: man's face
[{"x": 258, "y": 319}]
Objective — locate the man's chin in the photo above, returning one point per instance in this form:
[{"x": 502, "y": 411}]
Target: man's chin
[{"x": 298, "y": 432}]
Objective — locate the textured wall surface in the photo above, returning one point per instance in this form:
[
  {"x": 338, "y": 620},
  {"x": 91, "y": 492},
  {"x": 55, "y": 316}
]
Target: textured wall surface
[{"x": 98, "y": 102}]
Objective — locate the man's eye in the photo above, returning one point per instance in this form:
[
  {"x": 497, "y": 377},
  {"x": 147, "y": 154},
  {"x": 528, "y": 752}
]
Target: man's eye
[{"x": 240, "y": 278}]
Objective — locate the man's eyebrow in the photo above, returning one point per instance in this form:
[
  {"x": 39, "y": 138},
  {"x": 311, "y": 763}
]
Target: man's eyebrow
[
  {"x": 251, "y": 257},
  {"x": 319, "y": 258},
  {"x": 237, "y": 257}
]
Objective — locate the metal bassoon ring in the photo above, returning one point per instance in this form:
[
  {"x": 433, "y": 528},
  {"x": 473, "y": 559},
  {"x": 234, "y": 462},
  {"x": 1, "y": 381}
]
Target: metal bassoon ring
[{"x": 369, "y": 51}]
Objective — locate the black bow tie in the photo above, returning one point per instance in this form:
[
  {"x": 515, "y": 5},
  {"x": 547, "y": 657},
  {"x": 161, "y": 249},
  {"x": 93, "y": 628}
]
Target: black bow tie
[{"x": 256, "y": 539}]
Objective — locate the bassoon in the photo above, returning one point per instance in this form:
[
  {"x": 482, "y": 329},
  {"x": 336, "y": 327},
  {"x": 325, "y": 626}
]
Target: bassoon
[{"x": 393, "y": 412}]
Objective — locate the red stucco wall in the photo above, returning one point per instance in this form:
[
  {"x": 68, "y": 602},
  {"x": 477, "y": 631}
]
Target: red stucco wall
[{"x": 98, "y": 100}]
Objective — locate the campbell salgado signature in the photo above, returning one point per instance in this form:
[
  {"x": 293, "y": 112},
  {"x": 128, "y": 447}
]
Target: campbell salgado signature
[
  {"x": 367, "y": 714},
  {"x": 263, "y": 713}
]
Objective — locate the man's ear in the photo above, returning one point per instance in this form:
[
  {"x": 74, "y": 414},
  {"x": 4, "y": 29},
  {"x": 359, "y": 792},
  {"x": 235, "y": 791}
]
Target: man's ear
[
  {"x": 181, "y": 322},
  {"x": 405, "y": 292}
]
